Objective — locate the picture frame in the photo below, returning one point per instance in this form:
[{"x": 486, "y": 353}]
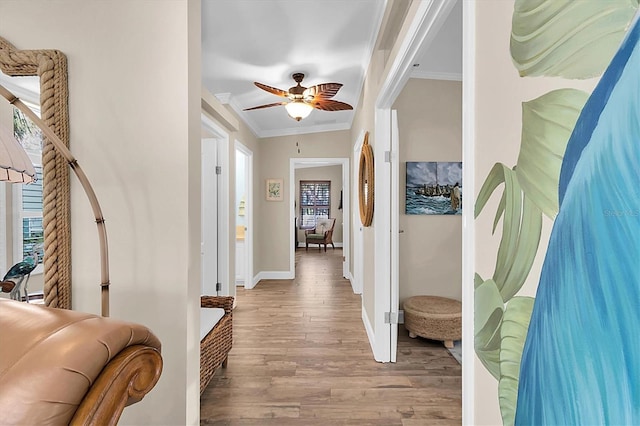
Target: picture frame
[
  {"x": 274, "y": 189},
  {"x": 433, "y": 188}
]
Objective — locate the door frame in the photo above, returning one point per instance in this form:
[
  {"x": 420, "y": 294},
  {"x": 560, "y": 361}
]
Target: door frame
[
  {"x": 221, "y": 137},
  {"x": 358, "y": 242},
  {"x": 429, "y": 17},
  {"x": 248, "y": 235},
  {"x": 346, "y": 208}
]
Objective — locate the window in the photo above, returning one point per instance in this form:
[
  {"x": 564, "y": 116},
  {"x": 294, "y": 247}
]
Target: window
[
  {"x": 28, "y": 198},
  {"x": 315, "y": 202}
]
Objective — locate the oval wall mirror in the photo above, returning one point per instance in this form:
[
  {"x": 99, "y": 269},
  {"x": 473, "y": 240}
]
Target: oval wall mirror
[
  {"x": 51, "y": 68},
  {"x": 366, "y": 182}
]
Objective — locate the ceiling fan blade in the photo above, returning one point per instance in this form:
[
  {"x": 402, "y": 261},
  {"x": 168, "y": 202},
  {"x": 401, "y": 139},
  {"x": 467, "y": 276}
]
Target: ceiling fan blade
[
  {"x": 330, "y": 105},
  {"x": 322, "y": 91},
  {"x": 274, "y": 90},
  {"x": 265, "y": 106}
]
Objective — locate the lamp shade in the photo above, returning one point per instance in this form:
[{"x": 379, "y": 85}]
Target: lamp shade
[
  {"x": 298, "y": 110},
  {"x": 15, "y": 165}
]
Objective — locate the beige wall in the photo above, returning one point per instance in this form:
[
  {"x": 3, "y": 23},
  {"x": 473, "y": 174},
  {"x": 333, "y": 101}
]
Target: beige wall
[
  {"x": 271, "y": 225},
  {"x": 333, "y": 174},
  {"x": 238, "y": 131},
  {"x": 364, "y": 120},
  {"x": 430, "y": 122},
  {"x": 499, "y": 93},
  {"x": 134, "y": 100}
]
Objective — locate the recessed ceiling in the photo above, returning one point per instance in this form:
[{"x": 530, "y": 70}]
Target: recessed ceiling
[
  {"x": 268, "y": 40},
  {"x": 329, "y": 41},
  {"x": 441, "y": 59}
]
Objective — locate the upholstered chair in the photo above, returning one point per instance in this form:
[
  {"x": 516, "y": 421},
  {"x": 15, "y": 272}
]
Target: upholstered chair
[{"x": 322, "y": 234}]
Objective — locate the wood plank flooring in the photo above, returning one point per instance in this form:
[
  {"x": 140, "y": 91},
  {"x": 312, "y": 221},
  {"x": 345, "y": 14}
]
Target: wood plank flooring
[{"x": 301, "y": 357}]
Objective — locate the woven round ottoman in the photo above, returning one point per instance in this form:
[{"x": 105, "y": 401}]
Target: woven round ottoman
[{"x": 433, "y": 317}]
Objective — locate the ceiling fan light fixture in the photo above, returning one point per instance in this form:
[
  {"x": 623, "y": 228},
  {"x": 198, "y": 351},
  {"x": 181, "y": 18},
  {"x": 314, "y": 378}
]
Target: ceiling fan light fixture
[{"x": 298, "y": 110}]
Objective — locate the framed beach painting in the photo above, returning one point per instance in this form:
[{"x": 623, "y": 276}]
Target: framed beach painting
[
  {"x": 433, "y": 188},
  {"x": 274, "y": 189}
]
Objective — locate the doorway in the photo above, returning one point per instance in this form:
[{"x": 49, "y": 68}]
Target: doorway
[
  {"x": 215, "y": 208},
  {"x": 294, "y": 207},
  {"x": 244, "y": 217},
  {"x": 358, "y": 245},
  {"x": 429, "y": 18}
]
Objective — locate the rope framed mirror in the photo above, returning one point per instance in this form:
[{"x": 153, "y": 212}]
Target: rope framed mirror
[
  {"x": 366, "y": 182},
  {"x": 51, "y": 67}
]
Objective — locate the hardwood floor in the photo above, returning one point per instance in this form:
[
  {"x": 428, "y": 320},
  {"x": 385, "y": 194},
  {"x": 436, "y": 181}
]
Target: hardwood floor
[{"x": 301, "y": 357}]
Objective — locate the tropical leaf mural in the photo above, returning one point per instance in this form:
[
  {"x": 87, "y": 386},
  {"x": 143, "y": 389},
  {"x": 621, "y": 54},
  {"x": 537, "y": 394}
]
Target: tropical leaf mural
[
  {"x": 553, "y": 38},
  {"x": 568, "y": 38},
  {"x": 513, "y": 334},
  {"x": 547, "y": 123},
  {"x": 580, "y": 361}
]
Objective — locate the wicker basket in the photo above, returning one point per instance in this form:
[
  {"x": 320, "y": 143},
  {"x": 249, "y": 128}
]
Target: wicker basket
[
  {"x": 433, "y": 317},
  {"x": 215, "y": 347}
]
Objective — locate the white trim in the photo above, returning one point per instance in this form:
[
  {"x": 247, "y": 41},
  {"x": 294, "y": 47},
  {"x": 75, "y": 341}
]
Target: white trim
[
  {"x": 358, "y": 248},
  {"x": 430, "y": 16},
  {"x": 434, "y": 75},
  {"x": 272, "y": 275},
  {"x": 370, "y": 333},
  {"x": 346, "y": 224},
  {"x": 246, "y": 118},
  {"x": 346, "y": 212},
  {"x": 468, "y": 223},
  {"x": 395, "y": 229}
]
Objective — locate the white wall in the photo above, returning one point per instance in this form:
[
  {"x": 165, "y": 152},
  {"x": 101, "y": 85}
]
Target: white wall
[{"x": 134, "y": 96}]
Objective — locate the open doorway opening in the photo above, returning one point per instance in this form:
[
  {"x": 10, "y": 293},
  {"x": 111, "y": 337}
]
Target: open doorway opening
[
  {"x": 401, "y": 137},
  {"x": 244, "y": 216},
  {"x": 215, "y": 208},
  {"x": 318, "y": 171}
]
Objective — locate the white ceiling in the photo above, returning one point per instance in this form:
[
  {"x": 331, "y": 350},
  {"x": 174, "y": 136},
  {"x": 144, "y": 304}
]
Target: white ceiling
[
  {"x": 268, "y": 40},
  {"x": 329, "y": 41}
]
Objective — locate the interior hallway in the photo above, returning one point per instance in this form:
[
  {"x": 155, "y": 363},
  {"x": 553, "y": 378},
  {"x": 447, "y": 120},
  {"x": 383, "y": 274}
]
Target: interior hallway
[{"x": 301, "y": 357}]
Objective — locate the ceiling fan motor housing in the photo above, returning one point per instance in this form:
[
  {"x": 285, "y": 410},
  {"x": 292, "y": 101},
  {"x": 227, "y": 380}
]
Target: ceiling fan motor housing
[{"x": 298, "y": 90}]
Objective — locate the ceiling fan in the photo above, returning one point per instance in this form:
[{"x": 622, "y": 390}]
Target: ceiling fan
[{"x": 302, "y": 100}]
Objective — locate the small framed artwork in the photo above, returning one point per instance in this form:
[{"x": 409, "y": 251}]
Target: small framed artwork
[
  {"x": 434, "y": 187},
  {"x": 274, "y": 189}
]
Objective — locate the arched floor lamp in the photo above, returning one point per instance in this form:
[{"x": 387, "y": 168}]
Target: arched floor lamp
[{"x": 16, "y": 167}]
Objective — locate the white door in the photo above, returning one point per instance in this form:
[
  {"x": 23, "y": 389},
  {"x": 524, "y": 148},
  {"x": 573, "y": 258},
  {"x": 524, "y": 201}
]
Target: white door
[
  {"x": 209, "y": 244},
  {"x": 244, "y": 216},
  {"x": 395, "y": 231}
]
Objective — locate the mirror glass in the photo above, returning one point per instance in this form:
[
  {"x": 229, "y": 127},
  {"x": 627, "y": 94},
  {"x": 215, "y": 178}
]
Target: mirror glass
[{"x": 38, "y": 78}]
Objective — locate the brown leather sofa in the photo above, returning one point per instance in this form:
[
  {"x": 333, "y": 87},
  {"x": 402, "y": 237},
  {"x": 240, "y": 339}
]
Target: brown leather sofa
[{"x": 66, "y": 367}]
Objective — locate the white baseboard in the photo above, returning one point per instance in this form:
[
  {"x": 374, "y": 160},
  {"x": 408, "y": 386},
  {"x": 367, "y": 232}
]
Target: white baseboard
[
  {"x": 370, "y": 334},
  {"x": 352, "y": 282},
  {"x": 272, "y": 275}
]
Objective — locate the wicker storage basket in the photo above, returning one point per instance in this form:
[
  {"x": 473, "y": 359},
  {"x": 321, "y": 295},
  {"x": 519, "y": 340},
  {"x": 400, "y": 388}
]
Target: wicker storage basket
[
  {"x": 215, "y": 347},
  {"x": 433, "y": 317}
]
